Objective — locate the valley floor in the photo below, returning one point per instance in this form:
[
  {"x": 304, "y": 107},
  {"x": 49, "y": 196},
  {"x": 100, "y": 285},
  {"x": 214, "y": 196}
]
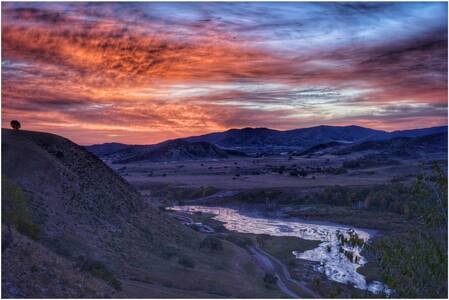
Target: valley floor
[{"x": 259, "y": 184}]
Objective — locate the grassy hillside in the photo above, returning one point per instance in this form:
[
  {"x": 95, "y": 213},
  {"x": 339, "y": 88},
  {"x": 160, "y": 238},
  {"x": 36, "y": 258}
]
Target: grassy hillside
[{"x": 60, "y": 201}]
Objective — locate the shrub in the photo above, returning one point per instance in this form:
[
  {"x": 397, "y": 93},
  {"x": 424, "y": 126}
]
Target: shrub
[
  {"x": 292, "y": 262},
  {"x": 270, "y": 279},
  {"x": 316, "y": 281},
  {"x": 368, "y": 161},
  {"x": 168, "y": 252},
  {"x": 261, "y": 238},
  {"x": 302, "y": 173},
  {"x": 15, "y": 210},
  {"x": 28, "y": 228},
  {"x": 239, "y": 240},
  {"x": 211, "y": 243},
  {"x": 98, "y": 269},
  {"x": 186, "y": 262},
  {"x": 280, "y": 169}
]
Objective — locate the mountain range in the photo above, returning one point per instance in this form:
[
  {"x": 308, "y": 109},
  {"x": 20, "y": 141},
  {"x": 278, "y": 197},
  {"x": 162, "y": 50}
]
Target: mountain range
[
  {"x": 253, "y": 142},
  {"x": 395, "y": 146}
]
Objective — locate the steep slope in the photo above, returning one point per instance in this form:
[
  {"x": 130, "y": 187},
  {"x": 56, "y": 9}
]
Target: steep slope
[
  {"x": 61, "y": 199},
  {"x": 30, "y": 269}
]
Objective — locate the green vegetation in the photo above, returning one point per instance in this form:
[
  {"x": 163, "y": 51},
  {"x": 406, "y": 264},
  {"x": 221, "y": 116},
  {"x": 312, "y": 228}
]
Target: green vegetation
[
  {"x": 270, "y": 280},
  {"x": 186, "y": 262},
  {"x": 15, "y": 210},
  {"x": 370, "y": 161},
  {"x": 98, "y": 269},
  {"x": 260, "y": 195},
  {"x": 414, "y": 263},
  {"x": 392, "y": 197},
  {"x": 283, "y": 246},
  {"x": 293, "y": 170},
  {"x": 239, "y": 239},
  {"x": 395, "y": 197},
  {"x": 168, "y": 252},
  {"x": 211, "y": 243},
  {"x": 183, "y": 193}
]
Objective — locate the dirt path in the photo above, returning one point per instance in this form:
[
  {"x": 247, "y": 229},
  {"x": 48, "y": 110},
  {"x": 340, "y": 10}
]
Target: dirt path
[
  {"x": 270, "y": 264},
  {"x": 286, "y": 283}
]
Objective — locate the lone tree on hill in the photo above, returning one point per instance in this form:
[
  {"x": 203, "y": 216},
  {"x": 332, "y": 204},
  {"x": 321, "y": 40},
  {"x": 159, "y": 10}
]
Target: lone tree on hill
[{"x": 15, "y": 124}]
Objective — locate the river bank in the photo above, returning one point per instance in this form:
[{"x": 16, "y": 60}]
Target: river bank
[{"x": 329, "y": 266}]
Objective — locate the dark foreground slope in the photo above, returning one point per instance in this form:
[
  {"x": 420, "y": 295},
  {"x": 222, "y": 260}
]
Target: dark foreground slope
[{"x": 73, "y": 228}]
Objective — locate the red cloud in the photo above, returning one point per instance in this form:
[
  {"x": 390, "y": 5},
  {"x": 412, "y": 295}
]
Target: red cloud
[{"x": 98, "y": 76}]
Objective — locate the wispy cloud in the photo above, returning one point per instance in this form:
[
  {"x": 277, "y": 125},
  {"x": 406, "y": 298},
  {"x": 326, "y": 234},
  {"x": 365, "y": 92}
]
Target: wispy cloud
[{"x": 144, "y": 72}]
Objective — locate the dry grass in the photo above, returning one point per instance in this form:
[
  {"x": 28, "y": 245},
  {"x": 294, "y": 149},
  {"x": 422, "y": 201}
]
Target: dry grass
[{"x": 84, "y": 209}]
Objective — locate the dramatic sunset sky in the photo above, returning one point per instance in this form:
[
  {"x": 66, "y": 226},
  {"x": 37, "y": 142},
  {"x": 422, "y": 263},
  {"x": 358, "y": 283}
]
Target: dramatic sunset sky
[{"x": 145, "y": 72}]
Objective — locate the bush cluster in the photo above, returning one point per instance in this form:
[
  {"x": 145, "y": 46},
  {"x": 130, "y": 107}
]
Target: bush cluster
[
  {"x": 98, "y": 269},
  {"x": 15, "y": 210},
  {"x": 212, "y": 244}
]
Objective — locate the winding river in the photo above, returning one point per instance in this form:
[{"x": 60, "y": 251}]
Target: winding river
[{"x": 338, "y": 256}]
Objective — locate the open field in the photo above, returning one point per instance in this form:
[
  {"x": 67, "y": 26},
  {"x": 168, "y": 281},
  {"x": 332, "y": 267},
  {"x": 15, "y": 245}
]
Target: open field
[
  {"x": 245, "y": 174},
  {"x": 290, "y": 187}
]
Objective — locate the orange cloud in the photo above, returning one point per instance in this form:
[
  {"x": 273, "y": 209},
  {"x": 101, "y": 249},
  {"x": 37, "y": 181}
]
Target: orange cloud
[{"x": 93, "y": 76}]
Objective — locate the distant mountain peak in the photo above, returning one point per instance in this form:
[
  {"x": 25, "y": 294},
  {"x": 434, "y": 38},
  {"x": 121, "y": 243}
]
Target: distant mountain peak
[
  {"x": 261, "y": 139},
  {"x": 298, "y": 138}
]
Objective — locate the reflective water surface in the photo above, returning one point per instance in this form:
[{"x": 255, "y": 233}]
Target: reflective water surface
[{"x": 338, "y": 256}]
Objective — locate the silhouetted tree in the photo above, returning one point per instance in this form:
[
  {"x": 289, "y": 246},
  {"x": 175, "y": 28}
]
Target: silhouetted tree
[{"x": 15, "y": 124}]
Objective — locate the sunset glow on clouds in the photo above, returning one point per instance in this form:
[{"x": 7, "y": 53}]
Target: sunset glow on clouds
[{"x": 145, "y": 72}]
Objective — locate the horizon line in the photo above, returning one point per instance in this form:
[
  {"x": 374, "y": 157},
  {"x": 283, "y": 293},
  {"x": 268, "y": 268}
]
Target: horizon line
[{"x": 242, "y": 128}]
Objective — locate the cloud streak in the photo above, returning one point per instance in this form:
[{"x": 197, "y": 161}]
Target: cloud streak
[{"x": 145, "y": 72}]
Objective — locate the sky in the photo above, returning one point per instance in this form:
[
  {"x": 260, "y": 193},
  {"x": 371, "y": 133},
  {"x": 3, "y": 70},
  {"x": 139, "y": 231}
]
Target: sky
[{"x": 142, "y": 73}]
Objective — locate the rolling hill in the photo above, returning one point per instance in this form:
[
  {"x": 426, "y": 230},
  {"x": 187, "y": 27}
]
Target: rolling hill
[
  {"x": 173, "y": 150},
  {"x": 71, "y": 227},
  {"x": 402, "y": 146},
  {"x": 247, "y": 138},
  {"x": 255, "y": 142},
  {"x": 107, "y": 148},
  {"x": 233, "y": 142},
  {"x": 412, "y": 133}
]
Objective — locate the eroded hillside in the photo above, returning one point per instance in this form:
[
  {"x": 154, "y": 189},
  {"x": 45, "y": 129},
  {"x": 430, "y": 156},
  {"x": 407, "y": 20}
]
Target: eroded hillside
[{"x": 75, "y": 211}]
